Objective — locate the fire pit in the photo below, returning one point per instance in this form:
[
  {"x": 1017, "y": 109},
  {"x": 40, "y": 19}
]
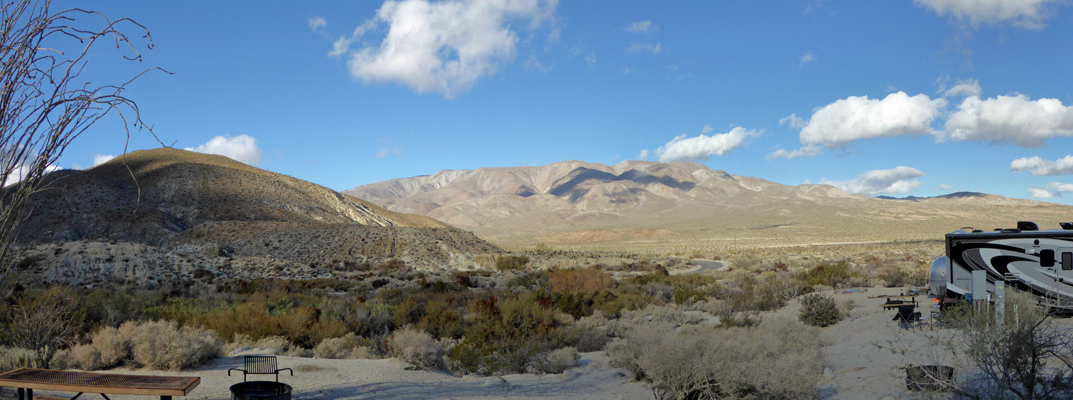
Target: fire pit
[{"x": 260, "y": 390}]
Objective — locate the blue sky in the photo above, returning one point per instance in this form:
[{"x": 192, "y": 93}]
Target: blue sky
[{"x": 921, "y": 98}]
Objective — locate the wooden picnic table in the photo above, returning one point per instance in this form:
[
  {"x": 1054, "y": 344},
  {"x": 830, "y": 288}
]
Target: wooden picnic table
[{"x": 28, "y": 379}]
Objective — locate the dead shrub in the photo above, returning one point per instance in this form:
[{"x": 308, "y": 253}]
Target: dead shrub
[
  {"x": 417, "y": 348},
  {"x": 165, "y": 346},
  {"x": 348, "y": 346},
  {"x": 779, "y": 359}
]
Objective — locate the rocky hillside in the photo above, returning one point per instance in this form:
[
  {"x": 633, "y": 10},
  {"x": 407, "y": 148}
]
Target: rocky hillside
[
  {"x": 681, "y": 206},
  {"x": 223, "y": 212}
]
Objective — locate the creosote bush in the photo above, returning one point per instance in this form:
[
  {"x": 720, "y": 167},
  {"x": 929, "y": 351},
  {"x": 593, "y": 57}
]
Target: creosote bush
[{"x": 820, "y": 310}]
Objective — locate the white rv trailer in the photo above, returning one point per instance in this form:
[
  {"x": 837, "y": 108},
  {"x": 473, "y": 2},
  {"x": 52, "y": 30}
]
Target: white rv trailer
[{"x": 1026, "y": 258}]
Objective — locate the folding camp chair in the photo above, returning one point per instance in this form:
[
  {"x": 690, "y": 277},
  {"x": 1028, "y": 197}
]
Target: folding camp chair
[
  {"x": 259, "y": 365},
  {"x": 907, "y": 316}
]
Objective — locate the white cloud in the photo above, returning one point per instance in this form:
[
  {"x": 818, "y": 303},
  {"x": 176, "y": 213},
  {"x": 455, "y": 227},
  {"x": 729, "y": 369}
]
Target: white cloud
[
  {"x": 969, "y": 87},
  {"x": 794, "y": 121},
  {"x": 809, "y": 151},
  {"x": 1051, "y": 190},
  {"x": 637, "y": 48},
  {"x": 702, "y": 147},
  {"x": 644, "y": 154},
  {"x": 388, "y": 148},
  {"x": 101, "y": 159},
  {"x": 1039, "y": 166},
  {"x": 1024, "y": 13},
  {"x": 855, "y": 118},
  {"x": 532, "y": 64},
  {"x": 807, "y": 58},
  {"x": 591, "y": 60},
  {"x": 900, "y": 180},
  {"x": 641, "y": 27},
  {"x": 1009, "y": 119},
  {"x": 317, "y": 23},
  {"x": 443, "y": 47},
  {"x": 241, "y": 148},
  {"x": 946, "y": 187},
  {"x": 707, "y": 128}
]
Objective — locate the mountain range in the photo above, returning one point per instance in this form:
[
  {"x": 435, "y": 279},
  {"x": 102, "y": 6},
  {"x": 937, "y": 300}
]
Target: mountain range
[{"x": 677, "y": 206}]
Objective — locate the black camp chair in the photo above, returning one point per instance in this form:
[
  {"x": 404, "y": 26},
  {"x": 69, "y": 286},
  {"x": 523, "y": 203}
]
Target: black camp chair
[
  {"x": 907, "y": 316},
  {"x": 259, "y": 365}
]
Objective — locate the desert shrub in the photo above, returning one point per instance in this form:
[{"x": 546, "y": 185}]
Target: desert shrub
[
  {"x": 588, "y": 333},
  {"x": 511, "y": 263},
  {"x": 348, "y": 346},
  {"x": 557, "y": 361},
  {"x": 1026, "y": 356},
  {"x": 164, "y": 345},
  {"x": 39, "y": 321},
  {"x": 417, "y": 348},
  {"x": 86, "y": 357},
  {"x": 529, "y": 280},
  {"x": 749, "y": 294},
  {"x": 113, "y": 345},
  {"x": 906, "y": 277},
  {"x": 825, "y": 274},
  {"x": 819, "y": 310},
  {"x": 441, "y": 320},
  {"x": 303, "y": 326},
  {"x": 13, "y": 357},
  {"x": 507, "y": 336},
  {"x": 779, "y": 359},
  {"x": 591, "y": 280}
]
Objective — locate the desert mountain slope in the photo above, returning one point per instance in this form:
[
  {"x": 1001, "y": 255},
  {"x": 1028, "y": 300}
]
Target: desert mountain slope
[
  {"x": 682, "y": 205},
  {"x": 211, "y": 206}
]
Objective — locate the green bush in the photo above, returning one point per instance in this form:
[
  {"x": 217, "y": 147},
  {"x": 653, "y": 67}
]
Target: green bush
[
  {"x": 509, "y": 336},
  {"x": 833, "y": 275},
  {"x": 819, "y": 310}
]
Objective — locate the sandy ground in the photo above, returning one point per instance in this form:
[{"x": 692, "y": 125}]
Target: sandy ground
[{"x": 860, "y": 362}]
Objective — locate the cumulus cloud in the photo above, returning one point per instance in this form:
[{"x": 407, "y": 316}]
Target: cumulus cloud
[
  {"x": 969, "y": 87},
  {"x": 807, "y": 58},
  {"x": 241, "y": 148},
  {"x": 443, "y": 47},
  {"x": 900, "y": 180},
  {"x": 1009, "y": 119},
  {"x": 317, "y": 23},
  {"x": 707, "y": 128},
  {"x": 641, "y": 27},
  {"x": 644, "y": 154},
  {"x": 1024, "y": 13},
  {"x": 638, "y": 48},
  {"x": 855, "y": 118},
  {"x": 1051, "y": 190},
  {"x": 1039, "y": 166},
  {"x": 807, "y": 151},
  {"x": 101, "y": 159},
  {"x": 702, "y": 147}
]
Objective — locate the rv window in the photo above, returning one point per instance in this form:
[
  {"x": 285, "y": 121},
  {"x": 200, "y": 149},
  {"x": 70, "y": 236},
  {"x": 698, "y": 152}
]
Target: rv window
[
  {"x": 1046, "y": 258},
  {"x": 1067, "y": 261}
]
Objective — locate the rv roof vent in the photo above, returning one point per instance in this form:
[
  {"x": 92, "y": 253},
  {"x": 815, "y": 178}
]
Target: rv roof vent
[
  {"x": 1027, "y": 226},
  {"x": 1066, "y": 225}
]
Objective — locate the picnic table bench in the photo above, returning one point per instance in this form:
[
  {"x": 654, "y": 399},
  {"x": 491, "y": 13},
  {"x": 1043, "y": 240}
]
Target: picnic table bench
[{"x": 28, "y": 379}]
